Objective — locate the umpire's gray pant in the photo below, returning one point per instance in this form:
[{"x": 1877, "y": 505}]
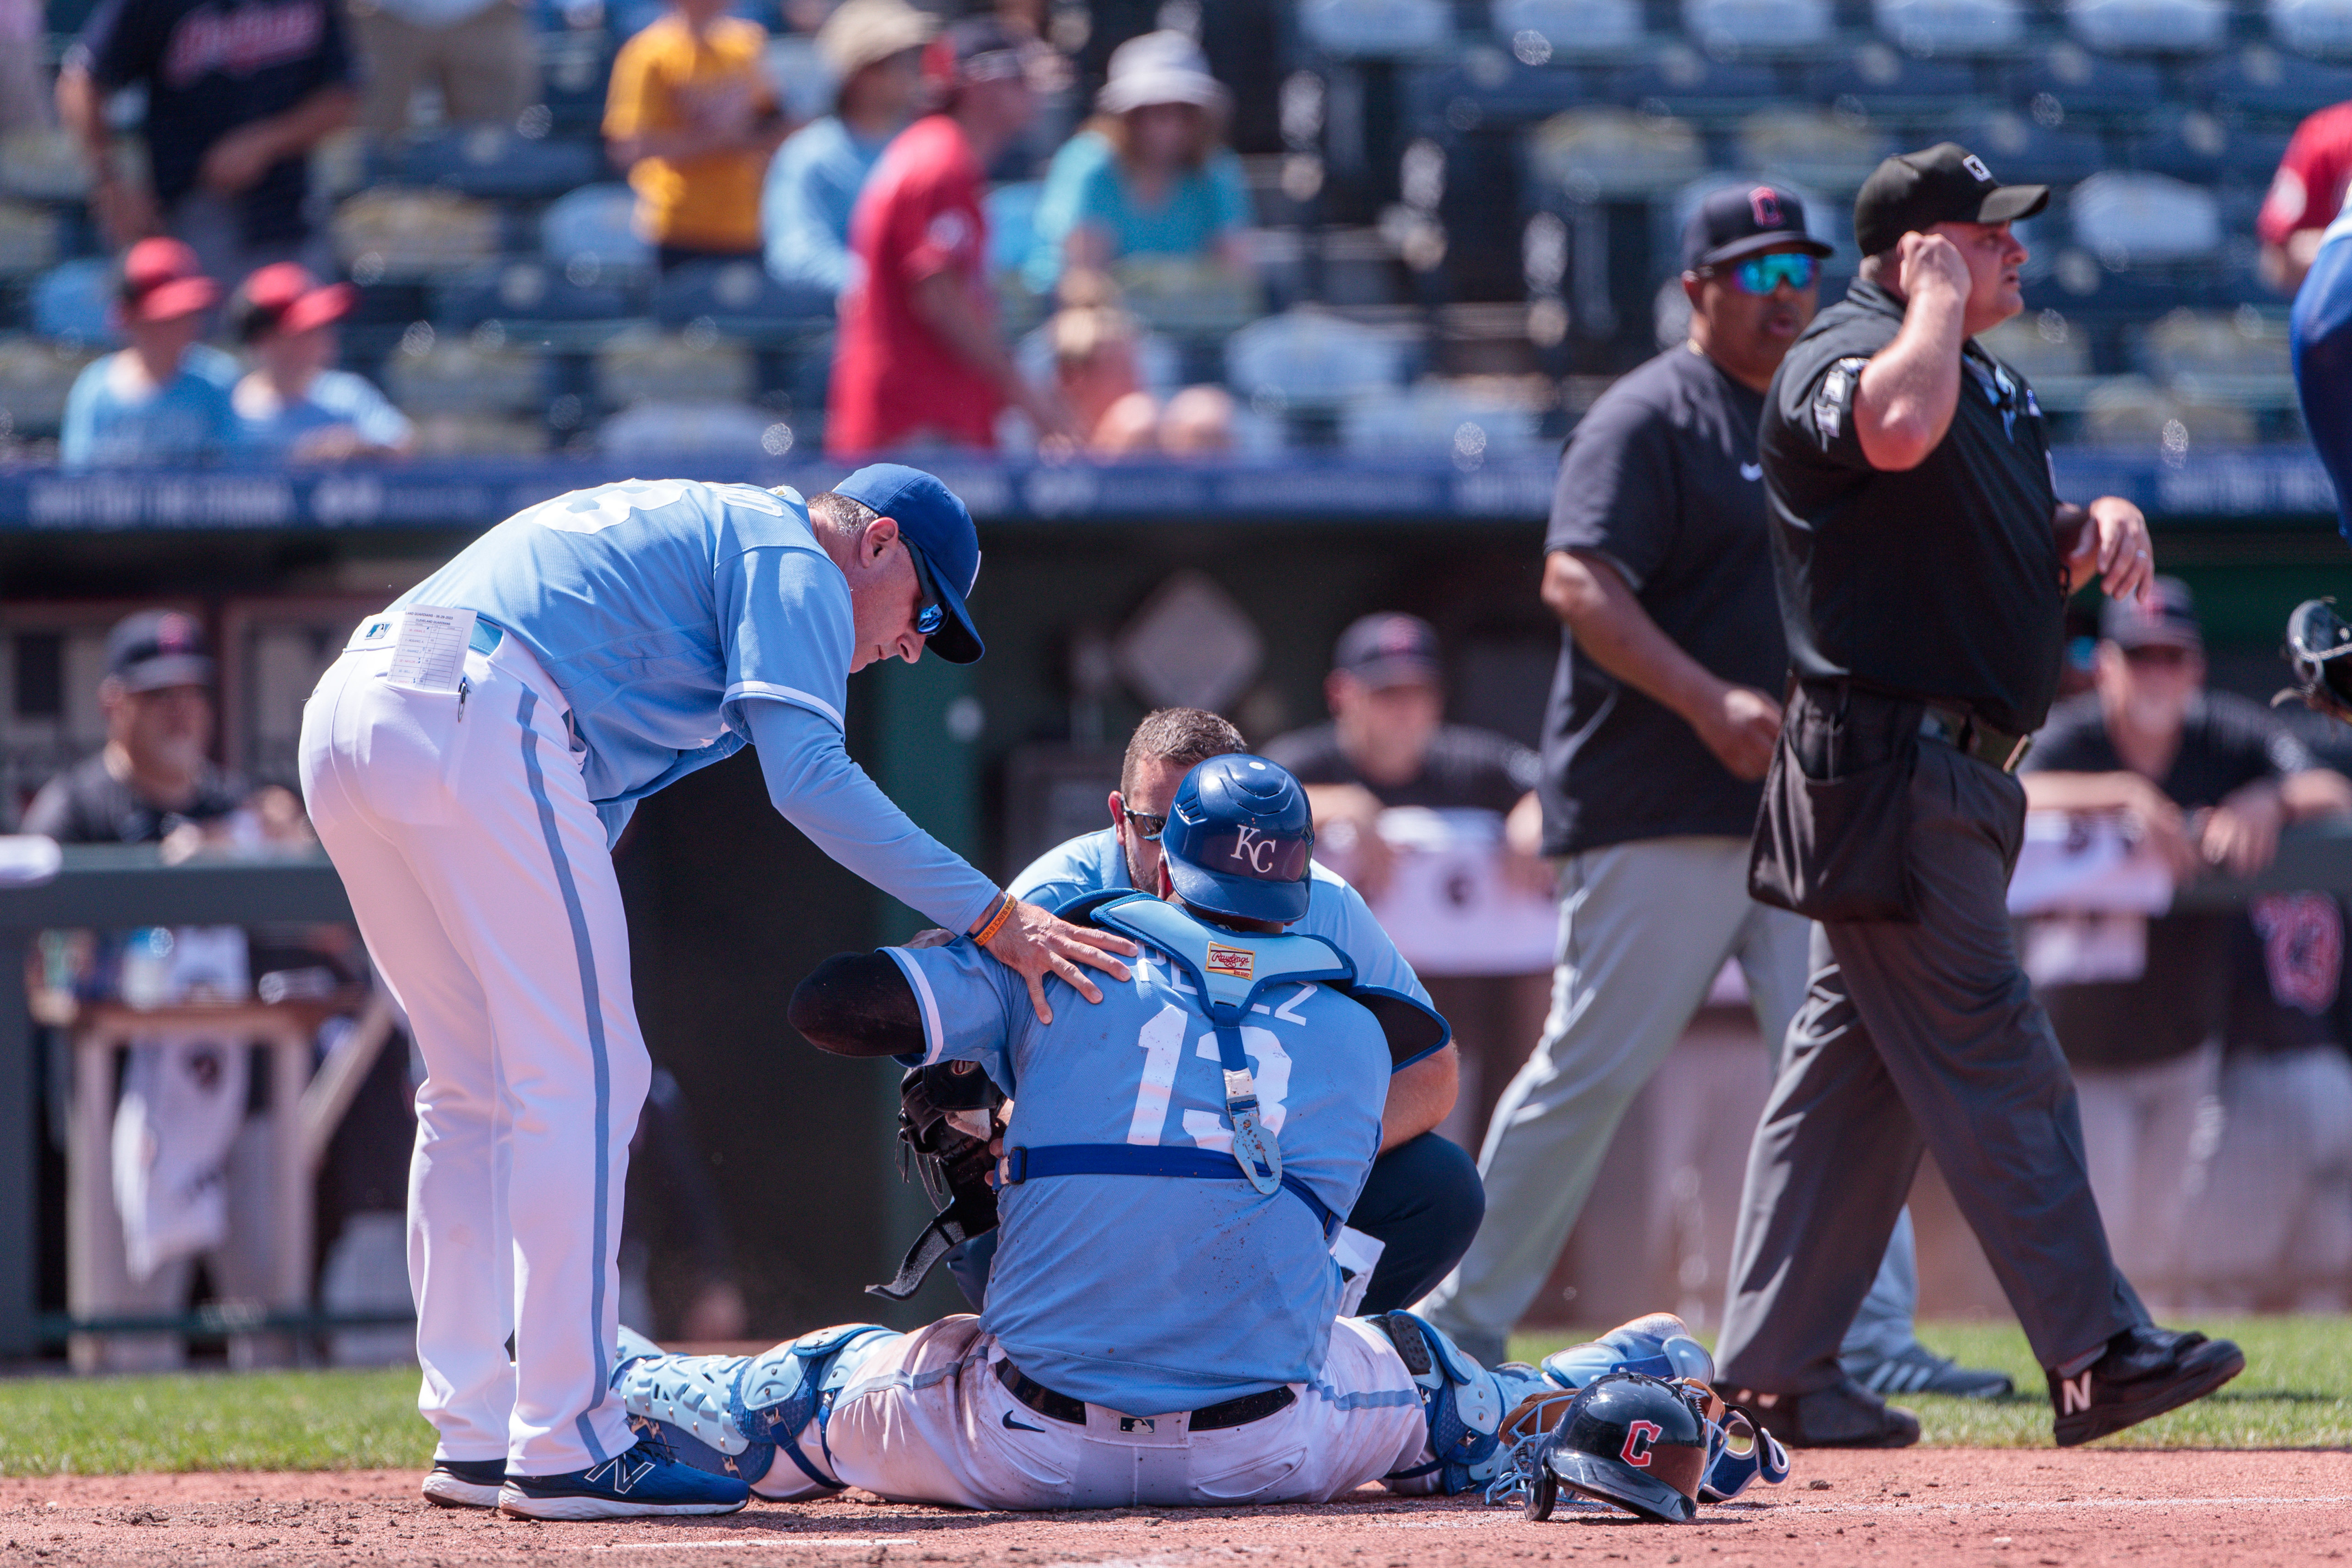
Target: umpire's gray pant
[
  {"x": 1643, "y": 927},
  {"x": 1917, "y": 1037}
]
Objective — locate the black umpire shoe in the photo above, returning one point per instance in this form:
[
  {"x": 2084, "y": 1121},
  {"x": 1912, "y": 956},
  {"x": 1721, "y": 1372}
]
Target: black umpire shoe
[
  {"x": 2146, "y": 1372},
  {"x": 1843, "y": 1415}
]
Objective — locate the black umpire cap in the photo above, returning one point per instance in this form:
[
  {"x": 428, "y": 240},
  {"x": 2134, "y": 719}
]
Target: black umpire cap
[
  {"x": 1913, "y": 192},
  {"x": 1737, "y": 221}
]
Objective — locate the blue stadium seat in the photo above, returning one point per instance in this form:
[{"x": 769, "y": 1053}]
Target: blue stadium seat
[
  {"x": 1310, "y": 358},
  {"x": 1579, "y": 28},
  {"x": 1376, "y": 29},
  {"x": 70, "y": 301},
  {"x": 2261, "y": 82},
  {"x": 2080, "y": 83},
  {"x": 2131, "y": 218},
  {"x": 44, "y": 164},
  {"x": 740, "y": 300},
  {"x": 1686, "y": 82},
  {"x": 490, "y": 161},
  {"x": 1951, "y": 26},
  {"x": 2195, "y": 145},
  {"x": 595, "y": 222},
  {"x": 1891, "y": 84},
  {"x": 1829, "y": 151},
  {"x": 2150, "y": 26},
  {"x": 2021, "y": 149},
  {"x": 2312, "y": 26},
  {"x": 31, "y": 239},
  {"x": 1758, "y": 26},
  {"x": 716, "y": 428},
  {"x": 533, "y": 291},
  {"x": 1612, "y": 153}
]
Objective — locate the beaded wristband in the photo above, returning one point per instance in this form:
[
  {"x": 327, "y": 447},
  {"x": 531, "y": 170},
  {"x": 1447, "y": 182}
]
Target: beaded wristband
[{"x": 1000, "y": 912}]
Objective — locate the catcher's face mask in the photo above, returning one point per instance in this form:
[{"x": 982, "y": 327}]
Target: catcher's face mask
[{"x": 2316, "y": 641}]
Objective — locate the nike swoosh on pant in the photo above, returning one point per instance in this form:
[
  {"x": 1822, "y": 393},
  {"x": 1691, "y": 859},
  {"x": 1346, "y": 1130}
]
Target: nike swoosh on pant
[{"x": 1011, "y": 1424}]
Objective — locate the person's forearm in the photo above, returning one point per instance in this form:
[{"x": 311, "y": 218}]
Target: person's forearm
[
  {"x": 2315, "y": 793},
  {"x": 1911, "y": 388},
  {"x": 1619, "y": 635},
  {"x": 820, "y": 790},
  {"x": 1419, "y": 1097},
  {"x": 309, "y": 122},
  {"x": 939, "y": 300},
  {"x": 82, "y": 109}
]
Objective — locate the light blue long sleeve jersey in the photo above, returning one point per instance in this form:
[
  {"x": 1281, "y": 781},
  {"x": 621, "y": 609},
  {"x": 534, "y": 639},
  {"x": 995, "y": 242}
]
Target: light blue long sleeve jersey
[
  {"x": 1092, "y": 863},
  {"x": 1144, "y": 1293},
  {"x": 682, "y": 621}
]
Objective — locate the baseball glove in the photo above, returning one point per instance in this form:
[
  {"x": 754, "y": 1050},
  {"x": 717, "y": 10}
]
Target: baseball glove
[{"x": 2316, "y": 643}]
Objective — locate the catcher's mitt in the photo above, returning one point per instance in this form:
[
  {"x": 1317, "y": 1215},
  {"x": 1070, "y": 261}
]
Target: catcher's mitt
[{"x": 2316, "y": 643}]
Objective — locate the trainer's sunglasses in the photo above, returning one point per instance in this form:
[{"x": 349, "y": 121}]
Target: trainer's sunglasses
[
  {"x": 929, "y": 614},
  {"x": 1145, "y": 823},
  {"x": 1762, "y": 274}
]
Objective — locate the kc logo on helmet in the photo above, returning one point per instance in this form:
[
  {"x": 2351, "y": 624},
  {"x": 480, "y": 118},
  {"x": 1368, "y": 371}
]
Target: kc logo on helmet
[
  {"x": 1252, "y": 848},
  {"x": 1639, "y": 1435}
]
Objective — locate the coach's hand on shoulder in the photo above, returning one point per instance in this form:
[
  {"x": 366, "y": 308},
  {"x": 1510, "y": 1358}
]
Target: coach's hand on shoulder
[
  {"x": 2113, "y": 547},
  {"x": 1740, "y": 727},
  {"x": 1034, "y": 942}
]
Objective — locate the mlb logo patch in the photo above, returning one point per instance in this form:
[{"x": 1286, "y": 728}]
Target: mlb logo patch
[
  {"x": 378, "y": 630},
  {"x": 1976, "y": 165},
  {"x": 1233, "y": 963}
]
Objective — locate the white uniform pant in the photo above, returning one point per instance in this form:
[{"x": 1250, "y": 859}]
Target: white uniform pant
[
  {"x": 928, "y": 1420},
  {"x": 479, "y": 873}
]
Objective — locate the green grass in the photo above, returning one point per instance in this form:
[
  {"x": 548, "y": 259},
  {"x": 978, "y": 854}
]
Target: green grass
[
  {"x": 212, "y": 1421},
  {"x": 2295, "y": 1392}
]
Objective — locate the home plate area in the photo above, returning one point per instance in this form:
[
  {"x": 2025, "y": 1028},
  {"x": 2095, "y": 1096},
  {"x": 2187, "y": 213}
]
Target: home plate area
[{"x": 1942, "y": 1507}]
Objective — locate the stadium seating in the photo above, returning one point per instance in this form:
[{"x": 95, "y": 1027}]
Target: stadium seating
[
  {"x": 70, "y": 301},
  {"x": 1349, "y": 28},
  {"x": 1538, "y": 31},
  {"x": 592, "y": 225},
  {"x": 1927, "y": 28}
]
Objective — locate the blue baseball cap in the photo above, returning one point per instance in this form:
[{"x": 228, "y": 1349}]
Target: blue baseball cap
[
  {"x": 940, "y": 535},
  {"x": 1239, "y": 839}
]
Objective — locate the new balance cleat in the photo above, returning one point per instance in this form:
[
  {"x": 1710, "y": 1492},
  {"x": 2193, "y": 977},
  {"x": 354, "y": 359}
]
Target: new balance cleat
[
  {"x": 645, "y": 1482},
  {"x": 464, "y": 1483},
  {"x": 2143, "y": 1373}
]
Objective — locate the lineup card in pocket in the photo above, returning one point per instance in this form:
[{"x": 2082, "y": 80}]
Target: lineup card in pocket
[{"x": 431, "y": 653}]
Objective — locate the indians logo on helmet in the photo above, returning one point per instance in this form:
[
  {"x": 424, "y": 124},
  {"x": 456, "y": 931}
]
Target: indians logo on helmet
[{"x": 1639, "y": 1435}]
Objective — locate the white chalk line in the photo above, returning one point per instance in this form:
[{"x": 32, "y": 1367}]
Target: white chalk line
[{"x": 762, "y": 1539}]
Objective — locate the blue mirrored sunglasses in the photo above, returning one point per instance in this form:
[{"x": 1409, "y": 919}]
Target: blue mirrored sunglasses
[
  {"x": 929, "y": 614},
  {"x": 1762, "y": 274}
]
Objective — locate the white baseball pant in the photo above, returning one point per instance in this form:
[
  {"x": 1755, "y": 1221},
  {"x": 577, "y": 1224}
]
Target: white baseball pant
[
  {"x": 926, "y": 1419},
  {"x": 479, "y": 873}
]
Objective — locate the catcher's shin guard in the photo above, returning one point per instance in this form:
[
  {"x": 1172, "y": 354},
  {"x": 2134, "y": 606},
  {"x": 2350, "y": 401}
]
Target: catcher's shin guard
[
  {"x": 740, "y": 1415},
  {"x": 1463, "y": 1401}
]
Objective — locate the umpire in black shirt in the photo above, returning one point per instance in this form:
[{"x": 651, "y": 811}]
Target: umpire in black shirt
[{"x": 1924, "y": 563}]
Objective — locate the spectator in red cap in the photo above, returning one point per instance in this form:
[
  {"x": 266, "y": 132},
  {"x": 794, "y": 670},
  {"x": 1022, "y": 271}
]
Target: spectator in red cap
[
  {"x": 920, "y": 360},
  {"x": 239, "y": 93},
  {"x": 165, "y": 399},
  {"x": 295, "y": 405}
]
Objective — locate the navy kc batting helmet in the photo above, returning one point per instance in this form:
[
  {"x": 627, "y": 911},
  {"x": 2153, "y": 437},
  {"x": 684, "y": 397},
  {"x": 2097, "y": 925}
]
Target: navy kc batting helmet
[{"x": 1239, "y": 837}]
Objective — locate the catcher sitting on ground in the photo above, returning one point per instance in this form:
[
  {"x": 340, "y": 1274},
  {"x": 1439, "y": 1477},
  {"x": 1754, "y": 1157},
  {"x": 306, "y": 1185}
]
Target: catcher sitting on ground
[{"x": 1160, "y": 1321}]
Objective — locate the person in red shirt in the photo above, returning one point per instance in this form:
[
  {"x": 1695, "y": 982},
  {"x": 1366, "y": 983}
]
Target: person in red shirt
[
  {"x": 919, "y": 360},
  {"x": 2305, "y": 196}
]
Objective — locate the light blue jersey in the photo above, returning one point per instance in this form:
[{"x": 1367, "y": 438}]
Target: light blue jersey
[
  {"x": 186, "y": 420},
  {"x": 1092, "y": 863},
  {"x": 334, "y": 397},
  {"x": 1148, "y": 1294}
]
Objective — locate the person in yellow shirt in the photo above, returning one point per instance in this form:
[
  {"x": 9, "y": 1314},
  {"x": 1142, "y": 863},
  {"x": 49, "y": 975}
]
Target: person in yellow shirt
[{"x": 691, "y": 116}]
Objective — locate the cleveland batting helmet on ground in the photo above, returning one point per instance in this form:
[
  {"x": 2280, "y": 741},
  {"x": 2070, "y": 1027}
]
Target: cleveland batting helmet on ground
[
  {"x": 1238, "y": 840},
  {"x": 1637, "y": 1442}
]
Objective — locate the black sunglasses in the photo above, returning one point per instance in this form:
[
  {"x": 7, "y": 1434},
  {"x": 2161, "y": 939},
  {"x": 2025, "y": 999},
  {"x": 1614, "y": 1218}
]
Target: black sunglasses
[
  {"x": 929, "y": 614},
  {"x": 1145, "y": 823}
]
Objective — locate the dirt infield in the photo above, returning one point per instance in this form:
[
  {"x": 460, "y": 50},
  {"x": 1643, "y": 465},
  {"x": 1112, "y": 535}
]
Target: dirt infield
[{"x": 1942, "y": 1507}]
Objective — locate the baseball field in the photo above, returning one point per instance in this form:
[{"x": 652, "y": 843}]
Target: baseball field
[{"x": 321, "y": 1468}]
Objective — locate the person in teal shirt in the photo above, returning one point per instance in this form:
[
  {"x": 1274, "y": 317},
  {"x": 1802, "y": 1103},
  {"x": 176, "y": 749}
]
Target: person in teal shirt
[
  {"x": 876, "y": 46},
  {"x": 1147, "y": 178}
]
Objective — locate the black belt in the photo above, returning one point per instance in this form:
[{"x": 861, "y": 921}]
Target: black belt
[
  {"x": 1056, "y": 1406},
  {"x": 1973, "y": 737}
]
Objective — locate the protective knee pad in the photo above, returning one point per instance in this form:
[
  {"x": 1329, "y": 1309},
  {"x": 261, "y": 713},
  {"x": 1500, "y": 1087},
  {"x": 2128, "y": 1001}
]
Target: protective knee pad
[
  {"x": 1463, "y": 1401},
  {"x": 737, "y": 1416}
]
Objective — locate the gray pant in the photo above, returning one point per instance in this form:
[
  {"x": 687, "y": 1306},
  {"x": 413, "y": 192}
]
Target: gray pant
[
  {"x": 1643, "y": 929},
  {"x": 1917, "y": 1036}
]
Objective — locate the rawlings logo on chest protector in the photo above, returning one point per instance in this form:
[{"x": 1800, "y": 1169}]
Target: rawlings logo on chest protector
[{"x": 1233, "y": 963}]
